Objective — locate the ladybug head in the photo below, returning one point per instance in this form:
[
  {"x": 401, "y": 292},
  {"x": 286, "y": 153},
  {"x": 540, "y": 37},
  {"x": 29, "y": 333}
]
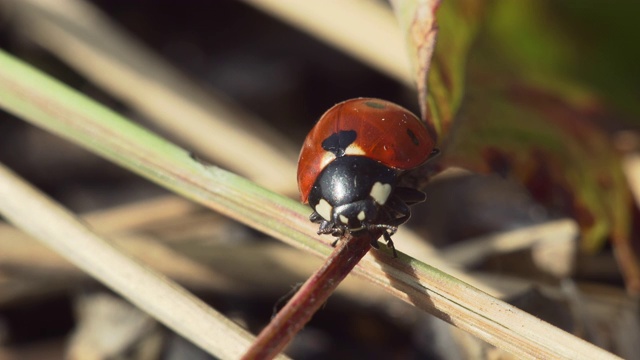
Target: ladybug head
[
  {"x": 351, "y": 190},
  {"x": 354, "y": 215}
]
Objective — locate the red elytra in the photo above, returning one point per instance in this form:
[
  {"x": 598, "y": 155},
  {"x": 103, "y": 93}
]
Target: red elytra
[{"x": 385, "y": 132}]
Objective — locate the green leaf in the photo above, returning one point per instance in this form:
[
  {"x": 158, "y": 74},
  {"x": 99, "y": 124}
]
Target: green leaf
[{"x": 586, "y": 43}]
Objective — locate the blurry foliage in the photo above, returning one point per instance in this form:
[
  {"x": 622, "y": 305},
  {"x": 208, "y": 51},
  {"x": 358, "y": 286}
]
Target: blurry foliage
[
  {"x": 543, "y": 80},
  {"x": 579, "y": 46}
]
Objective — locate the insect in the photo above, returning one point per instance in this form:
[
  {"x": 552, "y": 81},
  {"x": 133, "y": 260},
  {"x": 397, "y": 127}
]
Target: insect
[{"x": 351, "y": 163}]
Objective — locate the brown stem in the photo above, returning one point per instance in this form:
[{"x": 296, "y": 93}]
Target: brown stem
[{"x": 315, "y": 291}]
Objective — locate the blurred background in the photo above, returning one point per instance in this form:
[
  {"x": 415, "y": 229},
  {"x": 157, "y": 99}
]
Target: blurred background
[{"x": 267, "y": 79}]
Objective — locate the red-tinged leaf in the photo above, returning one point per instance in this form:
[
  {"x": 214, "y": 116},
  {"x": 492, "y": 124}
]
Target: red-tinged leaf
[
  {"x": 553, "y": 148},
  {"x": 439, "y": 81},
  {"x": 418, "y": 23},
  {"x": 527, "y": 114}
]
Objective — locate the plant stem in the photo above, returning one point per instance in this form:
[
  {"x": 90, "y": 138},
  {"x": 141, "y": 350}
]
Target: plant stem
[{"x": 313, "y": 294}]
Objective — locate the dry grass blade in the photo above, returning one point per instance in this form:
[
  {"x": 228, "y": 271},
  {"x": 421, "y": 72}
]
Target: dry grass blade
[
  {"x": 365, "y": 29},
  {"x": 469, "y": 252},
  {"x": 57, "y": 228},
  {"x": 452, "y": 259},
  {"x": 497, "y": 323},
  {"x": 46, "y": 103},
  {"x": 82, "y": 36},
  {"x": 125, "y": 226}
]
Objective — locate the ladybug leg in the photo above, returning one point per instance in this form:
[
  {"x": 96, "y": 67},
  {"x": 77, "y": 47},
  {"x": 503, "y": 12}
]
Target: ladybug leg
[
  {"x": 400, "y": 208},
  {"x": 400, "y": 220},
  {"x": 315, "y": 218},
  {"x": 388, "y": 230},
  {"x": 409, "y": 196},
  {"x": 325, "y": 227},
  {"x": 337, "y": 232},
  {"x": 374, "y": 244},
  {"x": 387, "y": 238},
  {"x": 434, "y": 154}
]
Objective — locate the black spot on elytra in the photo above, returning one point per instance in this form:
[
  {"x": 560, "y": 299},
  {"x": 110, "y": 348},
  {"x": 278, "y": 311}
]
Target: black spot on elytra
[
  {"x": 413, "y": 137},
  {"x": 375, "y": 105},
  {"x": 337, "y": 143}
]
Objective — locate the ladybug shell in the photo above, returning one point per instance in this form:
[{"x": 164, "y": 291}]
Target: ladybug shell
[{"x": 374, "y": 128}]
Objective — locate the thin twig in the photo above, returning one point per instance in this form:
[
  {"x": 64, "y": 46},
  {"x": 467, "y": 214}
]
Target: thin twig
[{"x": 315, "y": 291}]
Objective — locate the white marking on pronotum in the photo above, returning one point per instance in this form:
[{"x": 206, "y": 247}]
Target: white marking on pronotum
[
  {"x": 380, "y": 192},
  {"x": 327, "y": 157},
  {"x": 354, "y": 149},
  {"x": 324, "y": 209},
  {"x": 361, "y": 215},
  {"x": 344, "y": 219}
]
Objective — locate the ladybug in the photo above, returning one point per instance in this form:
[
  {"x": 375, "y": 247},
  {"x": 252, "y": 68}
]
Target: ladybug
[{"x": 351, "y": 163}]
